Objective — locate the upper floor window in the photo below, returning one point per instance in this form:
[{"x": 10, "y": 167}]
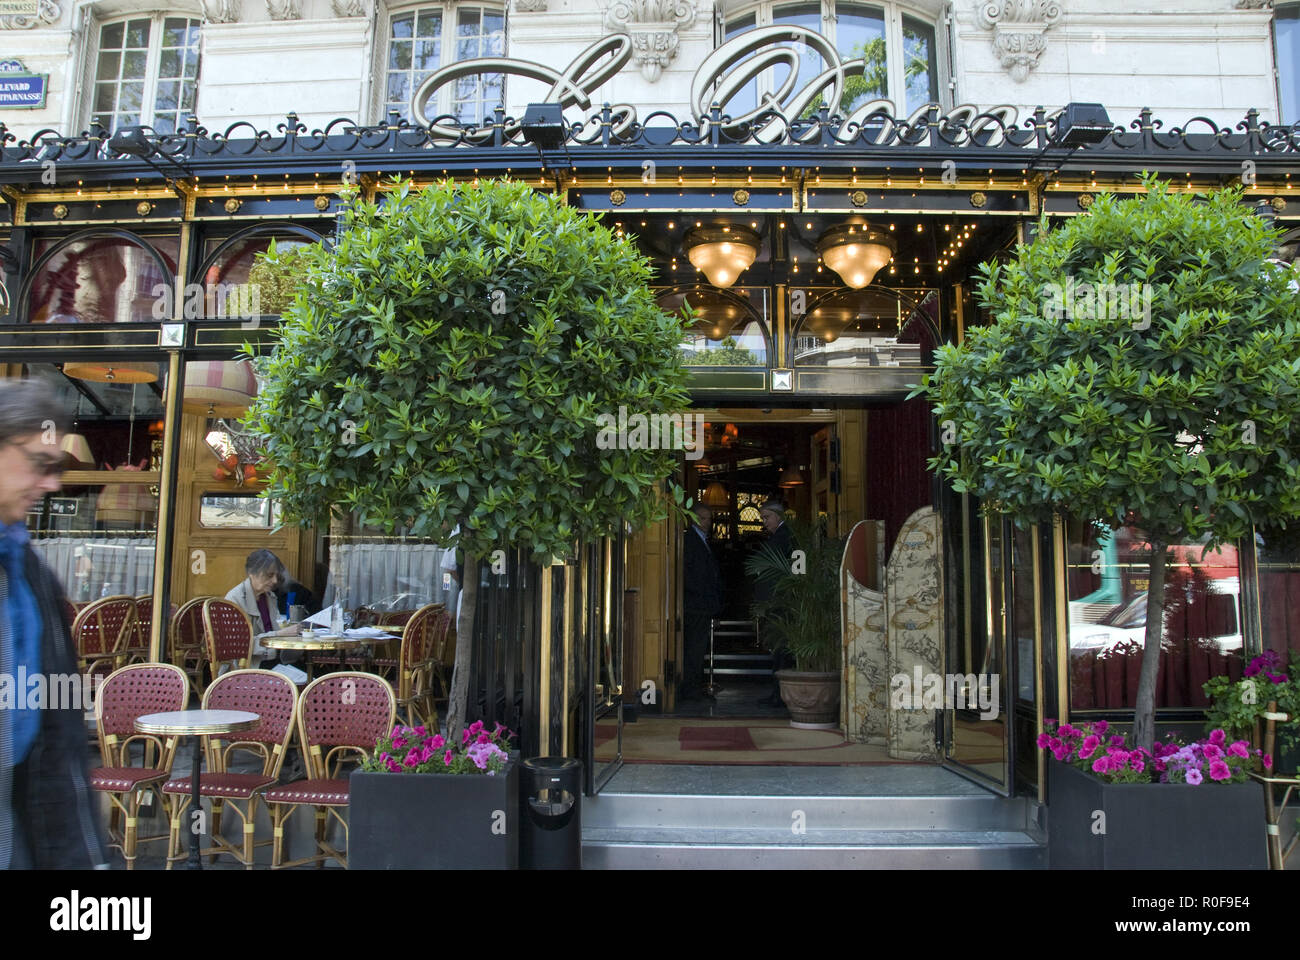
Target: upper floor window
[
  {"x": 146, "y": 72},
  {"x": 900, "y": 50},
  {"x": 423, "y": 40},
  {"x": 1286, "y": 39}
]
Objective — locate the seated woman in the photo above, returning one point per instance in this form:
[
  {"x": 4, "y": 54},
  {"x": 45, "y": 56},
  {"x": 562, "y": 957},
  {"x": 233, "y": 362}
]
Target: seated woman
[{"x": 256, "y": 597}]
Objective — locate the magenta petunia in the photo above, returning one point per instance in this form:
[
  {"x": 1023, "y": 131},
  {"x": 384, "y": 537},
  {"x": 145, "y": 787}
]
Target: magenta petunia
[
  {"x": 1211, "y": 752},
  {"x": 1117, "y": 740},
  {"x": 437, "y": 742},
  {"x": 1101, "y": 726},
  {"x": 1067, "y": 730},
  {"x": 1043, "y": 741},
  {"x": 1194, "y": 776},
  {"x": 1220, "y": 770},
  {"x": 1268, "y": 761},
  {"x": 1089, "y": 747},
  {"x": 446, "y": 759},
  {"x": 1218, "y": 737},
  {"x": 1102, "y": 765},
  {"x": 476, "y": 727}
]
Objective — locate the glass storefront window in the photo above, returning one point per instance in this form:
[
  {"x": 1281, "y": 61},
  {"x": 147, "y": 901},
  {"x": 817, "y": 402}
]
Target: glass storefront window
[
  {"x": 872, "y": 327},
  {"x": 1277, "y": 561},
  {"x": 108, "y": 279},
  {"x": 231, "y": 284},
  {"x": 1107, "y": 579},
  {"x": 727, "y": 330}
]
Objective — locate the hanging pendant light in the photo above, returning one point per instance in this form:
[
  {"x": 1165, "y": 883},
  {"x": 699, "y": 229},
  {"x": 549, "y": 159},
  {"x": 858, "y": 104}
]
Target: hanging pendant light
[
  {"x": 791, "y": 476},
  {"x": 219, "y": 388},
  {"x": 856, "y": 252},
  {"x": 109, "y": 371},
  {"x": 721, "y": 253},
  {"x": 77, "y": 448},
  {"x": 716, "y": 496}
]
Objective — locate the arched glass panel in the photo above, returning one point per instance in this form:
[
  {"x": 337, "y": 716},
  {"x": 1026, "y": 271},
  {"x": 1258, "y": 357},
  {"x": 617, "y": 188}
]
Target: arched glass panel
[
  {"x": 103, "y": 280},
  {"x": 860, "y": 328}
]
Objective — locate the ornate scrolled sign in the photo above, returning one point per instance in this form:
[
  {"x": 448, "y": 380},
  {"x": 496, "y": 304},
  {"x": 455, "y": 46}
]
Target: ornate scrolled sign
[
  {"x": 572, "y": 87},
  {"x": 26, "y": 14},
  {"x": 723, "y": 75},
  {"x": 653, "y": 26},
  {"x": 1019, "y": 31}
]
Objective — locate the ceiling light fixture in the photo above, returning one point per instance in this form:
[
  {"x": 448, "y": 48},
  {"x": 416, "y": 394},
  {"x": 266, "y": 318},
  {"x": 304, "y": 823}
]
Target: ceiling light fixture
[
  {"x": 721, "y": 253},
  {"x": 856, "y": 252}
]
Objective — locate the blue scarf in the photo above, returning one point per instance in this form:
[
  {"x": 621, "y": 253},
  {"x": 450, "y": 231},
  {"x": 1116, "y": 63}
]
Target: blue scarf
[{"x": 25, "y": 633}]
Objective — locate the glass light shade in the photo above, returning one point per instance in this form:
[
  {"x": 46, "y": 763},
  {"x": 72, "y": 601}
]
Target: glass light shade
[
  {"x": 721, "y": 253},
  {"x": 856, "y": 253},
  {"x": 107, "y": 371},
  {"x": 219, "y": 388},
  {"x": 716, "y": 496},
  {"x": 128, "y": 504}
]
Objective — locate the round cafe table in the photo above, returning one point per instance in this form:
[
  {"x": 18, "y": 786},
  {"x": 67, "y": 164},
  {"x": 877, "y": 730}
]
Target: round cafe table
[
  {"x": 312, "y": 645},
  {"x": 196, "y": 724}
]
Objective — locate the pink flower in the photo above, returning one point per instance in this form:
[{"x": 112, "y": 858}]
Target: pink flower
[
  {"x": 484, "y": 738},
  {"x": 476, "y": 728},
  {"x": 1194, "y": 776},
  {"x": 1268, "y": 761},
  {"x": 1218, "y": 737},
  {"x": 412, "y": 758},
  {"x": 426, "y": 754},
  {"x": 1137, "y": 765},
  {"x": 1101, "y": 726},
  {"x": 393, "y": 765},
  {"x": 1239, "y": 748},
  {"x": 398, "y": 743},
  {"x": 421, "y": 730},
  {"x": 1117, "y": 740},
  {"x": 1067, "y": 730},
  {"x": 1101, "y": 765},
  {"x": 1211, "y": 752},
  {"x": 1060, "y": 751},
  {"x": 1220, "y": 770},
  {"x": 1089, "y": 747},
  {"x": 464, "y": 738},
  {"x": 437, "y": 742},
  {"x": 446, "y": 759},
  {"x": 1043, "y": 741}
]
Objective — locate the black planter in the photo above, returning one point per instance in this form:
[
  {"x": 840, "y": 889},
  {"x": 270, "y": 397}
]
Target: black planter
[
  {"x": 1152, "y": 826},
  {"x": 434, "y": 821}
]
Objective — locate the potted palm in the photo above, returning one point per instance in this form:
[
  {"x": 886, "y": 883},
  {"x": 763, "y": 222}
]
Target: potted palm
[{"x": 802, "y": 614}]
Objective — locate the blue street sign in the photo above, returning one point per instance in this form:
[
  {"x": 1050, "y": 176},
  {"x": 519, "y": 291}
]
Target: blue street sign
[{"x": 20, "y": 90}]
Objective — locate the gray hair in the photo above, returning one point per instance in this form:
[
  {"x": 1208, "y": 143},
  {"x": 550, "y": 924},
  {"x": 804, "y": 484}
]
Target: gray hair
[
  {"x": 27, "y": 407},
  {"x": 264, "y": 561}
]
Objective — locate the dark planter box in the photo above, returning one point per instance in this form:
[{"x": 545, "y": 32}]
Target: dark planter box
[
  {"x": 1155, "y": 826},
  {"x": 434, "y": 821}
]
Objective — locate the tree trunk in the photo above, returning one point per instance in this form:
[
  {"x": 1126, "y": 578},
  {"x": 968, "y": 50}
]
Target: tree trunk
[
  {"x": 1144, "y": 719},
  {"x": 459, "y": 696}
]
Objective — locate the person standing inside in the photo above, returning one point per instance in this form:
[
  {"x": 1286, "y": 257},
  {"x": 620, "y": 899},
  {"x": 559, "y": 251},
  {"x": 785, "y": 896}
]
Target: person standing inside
[
  {"x": 47, "y": 818},
  {"x": 702, "y": 601}
]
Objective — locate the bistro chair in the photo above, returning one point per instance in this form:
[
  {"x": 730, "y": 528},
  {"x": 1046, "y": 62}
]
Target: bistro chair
[
  {"x": 137, "y": 649},
  {"x": 103, "y": 631},
  {"x": 186, "y": 646},
  {"x": 340, "y": 718},
  {"x": 228, "y": 636},
  {"x": 126, "y": 694},
  {"x": 414, "y": 667},
  {"x": 274, "y": 698}
]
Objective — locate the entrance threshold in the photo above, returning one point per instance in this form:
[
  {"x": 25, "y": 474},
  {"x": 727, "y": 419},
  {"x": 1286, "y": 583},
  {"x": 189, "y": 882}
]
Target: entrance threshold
[{"x": 887, "y": 816}]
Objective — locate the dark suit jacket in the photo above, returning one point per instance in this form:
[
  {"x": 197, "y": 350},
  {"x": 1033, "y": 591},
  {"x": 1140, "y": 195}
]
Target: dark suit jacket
[
  {"x": 783, "y": 542},
  {"x": 702, "y": 580}
]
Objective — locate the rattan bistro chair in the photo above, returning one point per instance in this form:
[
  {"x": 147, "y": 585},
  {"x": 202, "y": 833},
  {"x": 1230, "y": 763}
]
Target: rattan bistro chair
[
  {"x": 340, "y": 717},
  {"x": 126, "y": 694},
  {"x": 274, "y": 698},
  {"x": 186, "y": 646},
  {"x": 103, "y": 631},
  {"x": 414, "y": 666},
  {"x": 228, "y": 636}
]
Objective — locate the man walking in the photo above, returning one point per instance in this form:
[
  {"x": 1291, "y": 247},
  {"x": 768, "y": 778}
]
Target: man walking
[
  {"x": 47, "y": 819},
  {"x": 702, "y": 601}
]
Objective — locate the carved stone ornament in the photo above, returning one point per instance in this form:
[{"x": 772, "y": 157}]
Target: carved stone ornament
[
  {"x": 1019, "y": 31},
  {"x": 221, "y": 11},
  {"x": 530, "y": 6},
  {"x": 284, "y": 9},
  {"x": 1254, "y": 4},
  {"x": 653, "y": 27},
  {"x": 48, "y": 12},
  {"x": 349, "y": 8}
]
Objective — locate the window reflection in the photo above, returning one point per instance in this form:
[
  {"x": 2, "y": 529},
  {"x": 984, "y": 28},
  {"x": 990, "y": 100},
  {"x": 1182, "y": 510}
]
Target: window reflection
[
  {"x": 1107, "y": 581},
  {"x": 103, "y": 280}
]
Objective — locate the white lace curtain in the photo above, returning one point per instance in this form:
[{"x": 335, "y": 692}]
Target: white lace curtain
[
  {"x": 100, "y": 567},
  {"x": 370, "y": 572}
]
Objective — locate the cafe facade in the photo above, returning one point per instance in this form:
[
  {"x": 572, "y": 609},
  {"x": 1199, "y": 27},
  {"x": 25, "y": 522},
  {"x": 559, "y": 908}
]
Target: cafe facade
[{"x": 817, "y": 181}]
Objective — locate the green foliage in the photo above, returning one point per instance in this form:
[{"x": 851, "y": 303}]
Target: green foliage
[
  {"x": 276, "y": 274},
  {"x": 446, "y": 363},
  {"x": 728, "y": 353},
  {"x": 1188, "y": 423},
  {"x": 1237, "y": 706},
  {"x": 802, "y": 612}
]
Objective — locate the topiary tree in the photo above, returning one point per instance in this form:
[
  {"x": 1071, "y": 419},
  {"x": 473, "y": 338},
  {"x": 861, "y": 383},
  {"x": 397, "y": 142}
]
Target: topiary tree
[
  {"x": 444, "y": 365},
  {"x": 1142, "y": 366}
]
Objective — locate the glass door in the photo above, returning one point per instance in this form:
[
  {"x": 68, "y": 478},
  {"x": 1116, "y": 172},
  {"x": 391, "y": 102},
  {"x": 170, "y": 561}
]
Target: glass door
[
  {"x": 980, "y": 685},
  {"x": 603, "y": 582}
]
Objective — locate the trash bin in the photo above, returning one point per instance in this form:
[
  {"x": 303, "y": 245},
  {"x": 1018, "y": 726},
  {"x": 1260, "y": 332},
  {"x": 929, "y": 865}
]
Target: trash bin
[{"x": 551, "y": 808}]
